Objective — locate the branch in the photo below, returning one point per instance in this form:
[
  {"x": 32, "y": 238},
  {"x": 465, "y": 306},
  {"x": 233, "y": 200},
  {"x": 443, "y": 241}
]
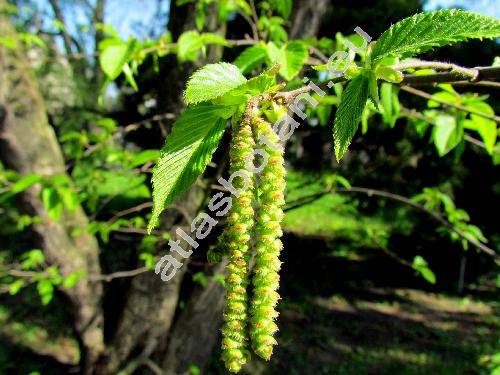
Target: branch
[
  {"x": 460, "y": 107},
  {"x": 397, "y": 198},
  {"x": 457, "y": 74},
  {"x": 59, "y": 16}
]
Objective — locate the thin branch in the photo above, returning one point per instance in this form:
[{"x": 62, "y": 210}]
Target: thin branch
[
  {"x": 59, "y": 16},
  {"x": 117, "y": 275},
  {"x": 465, "y": 74},
  {"x": 101, "y": 277},
  {"x": 253, "y": 26},
  {"x": 255, "y": 17},
  {"x": 470, "y": 74},
  {"x": 397, "y": 198},
  {"x": 128, "y": 211},
  {"x": 460, "y": 107},
  {"x": 492, "y": 84}
]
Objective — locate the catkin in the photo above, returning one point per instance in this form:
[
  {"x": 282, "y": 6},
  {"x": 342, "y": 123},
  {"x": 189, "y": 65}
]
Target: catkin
[
  {"x": 238, "y": 237},
  {"x": 265, "y": 279}
]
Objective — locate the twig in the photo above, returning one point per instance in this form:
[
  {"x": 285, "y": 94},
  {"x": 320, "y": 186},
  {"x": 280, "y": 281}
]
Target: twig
[
  {"x": 137, "y": 208},
  {"x": 398, "y": 198},
  {"x": 253, "y": 26},
  {"x": 255, "y": 17},
  {"x": 473, "y": 75},
  {"x": 119, "y": 274},
  {"x": 460, "y": 107}
]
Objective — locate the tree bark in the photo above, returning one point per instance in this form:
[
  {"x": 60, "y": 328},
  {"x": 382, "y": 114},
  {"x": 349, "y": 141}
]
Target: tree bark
[
  {"x": 306, "y": 18},
  {"x": 196, "y": 330},
  {"x": 28, "y": 145},
  {"x": 151, "y": 302}
]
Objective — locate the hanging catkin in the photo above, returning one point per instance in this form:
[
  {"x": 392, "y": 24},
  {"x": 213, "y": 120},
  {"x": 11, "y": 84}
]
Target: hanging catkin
[
  {"x": 238, "y": 236},
  {"x": 265, "y": 279}
]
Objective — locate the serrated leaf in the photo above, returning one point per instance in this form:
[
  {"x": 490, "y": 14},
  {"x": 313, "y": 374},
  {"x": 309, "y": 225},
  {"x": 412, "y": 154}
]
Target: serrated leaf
[
  {"x": 349, "y": 114},
  {"x": 262, "y": 83},
  {"x": 424, "y": 31},
  {"x": 187, "y": 151},
  {"x": 212, "y": 81},
  {"x": 291, "y": 57},
  {"x": 251, "y": 58}
]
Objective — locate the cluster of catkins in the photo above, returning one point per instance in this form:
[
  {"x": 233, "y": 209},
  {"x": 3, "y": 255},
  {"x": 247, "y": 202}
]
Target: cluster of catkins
[{"x": 252, "y": 244}]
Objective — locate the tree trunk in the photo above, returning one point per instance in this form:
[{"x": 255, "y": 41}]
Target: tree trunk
[
  {"x": 151, "y": 302},
  {"x": 28, "y": 145},
  {"x": 196, "y": 330},
  {"x": 306, "y": 18}
]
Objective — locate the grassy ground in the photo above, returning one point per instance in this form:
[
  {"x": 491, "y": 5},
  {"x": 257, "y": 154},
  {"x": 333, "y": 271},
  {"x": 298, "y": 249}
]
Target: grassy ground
[{"x": 403, "y": 332}]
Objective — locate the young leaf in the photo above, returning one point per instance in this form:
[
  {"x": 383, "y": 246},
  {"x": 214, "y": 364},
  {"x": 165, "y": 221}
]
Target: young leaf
[
  {"x": 291, "y": 57},
  {"x": 189, "y": 148},
  {"x": 188, "y": 45},
  {"x": 389, "y": 107},
  {"x": 212, "y": 81},
  {"x": 349, "y": 114},
  {"x": 251, "y": 58},
  {"x": 446, "y": 135},
  {"x": 424, "y": 31},
  {"x": 420, "y": 265},
  {"x": 284, "y": 7},
  {"x": 114, "y": 57}
]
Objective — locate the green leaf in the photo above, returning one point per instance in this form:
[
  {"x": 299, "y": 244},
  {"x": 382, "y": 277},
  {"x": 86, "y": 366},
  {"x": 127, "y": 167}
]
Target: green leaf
[
  {"x": 212, "y": 81},
  {"x": 45, "y": 290},
  {"x": 446, "y": 134},
  {"x": 71, "y": 280},
  {"x": 291, "y": 57},
  {"x": 262, "y": 83},
  {"x": 424, "y": 31},
  {"x": 188, "y": 45},
  {"x": 211, "y": 38},
  {"x": 188, "y": 150},
  {"x": 24, "y": 183},
  {"x": 373, "y": 88},
  {"x": 487, "y": 129},
  {"x": 284, "y": 7},
  {"x": 388, "y": 74},
  {"x": 191, "y": 42},
  {"x": 389, "y": 107},
  {"x": 16, "y": 286},
  {"x": 420, "y": 265},
  {"x": 251, "y": 58},
  {"x": 52, "y": 203},
  {"x": 129, "y": 76},
  {"x": 349, "y": 114},
  {"x": 114, "y": 57}
]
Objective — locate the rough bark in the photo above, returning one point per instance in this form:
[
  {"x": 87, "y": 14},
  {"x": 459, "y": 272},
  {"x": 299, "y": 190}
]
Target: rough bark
[
  {"x": 28, "y": 145},
  {"x": 306, "y": 18},
  {"x": 151, "y": 303},
  {"x": 196, "y": 330}
]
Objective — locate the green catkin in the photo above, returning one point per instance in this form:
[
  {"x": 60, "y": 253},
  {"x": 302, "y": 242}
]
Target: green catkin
[
  {"x": 238, "y": 237},
  {"x": 265, "y": 277}
]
